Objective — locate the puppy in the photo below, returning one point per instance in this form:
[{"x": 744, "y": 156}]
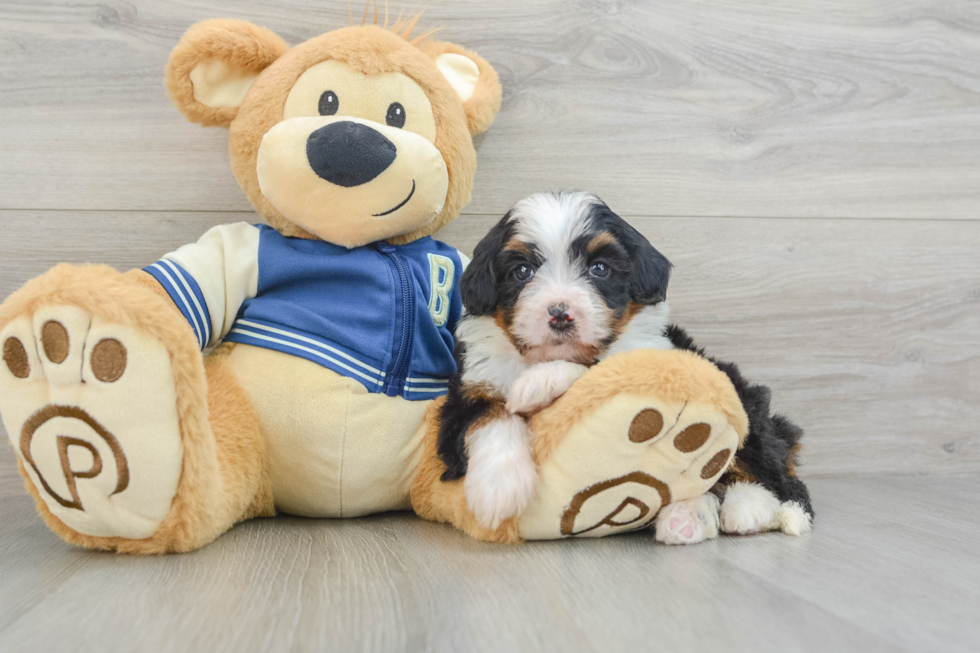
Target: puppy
[{"x": 560, "y": 283}]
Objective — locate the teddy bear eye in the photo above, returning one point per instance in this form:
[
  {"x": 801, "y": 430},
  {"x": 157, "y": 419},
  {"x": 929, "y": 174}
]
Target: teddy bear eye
[
  {"x": 329, "y": 103},
  {"x": 396, "y": 115}
]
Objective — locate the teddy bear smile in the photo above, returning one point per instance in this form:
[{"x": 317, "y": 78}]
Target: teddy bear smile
[{"x": 399, "y": 205}]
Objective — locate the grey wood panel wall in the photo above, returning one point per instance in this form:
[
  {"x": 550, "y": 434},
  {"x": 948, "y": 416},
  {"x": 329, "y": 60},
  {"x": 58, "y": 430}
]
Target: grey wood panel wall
[
  {"x": 823, "y": 108},
  {"x": 812, "y": 169}
]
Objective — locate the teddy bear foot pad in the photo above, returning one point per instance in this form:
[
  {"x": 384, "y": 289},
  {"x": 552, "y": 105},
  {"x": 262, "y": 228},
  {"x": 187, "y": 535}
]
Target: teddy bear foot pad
[
  {"x": 654, "y": 453},
  {"x": 90, "y": 409}
]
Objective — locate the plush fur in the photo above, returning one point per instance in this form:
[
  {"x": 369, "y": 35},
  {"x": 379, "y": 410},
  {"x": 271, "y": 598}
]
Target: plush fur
[
  {"x": 236, "y": 42},
  {"x": 223, "y": 476},
  {"x": 482, "y": 107},
  {"x": 372, "y": 50},
  {"x": 213, "y": 492}
]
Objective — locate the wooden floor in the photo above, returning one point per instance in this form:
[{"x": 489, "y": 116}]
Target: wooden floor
[
  {"x": 811, "y": 168},
  {"x": 892, "y": 565}
]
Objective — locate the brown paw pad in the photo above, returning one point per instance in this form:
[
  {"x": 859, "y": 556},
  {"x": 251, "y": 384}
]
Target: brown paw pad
[
  {"x": 54, "y": 339},
  {"x": 646, "y": 425},
  {"x": 717, "y": 463},
  {"x": 692, "y": 438},
  {"x": 15, "y": 356},
  {"x": 108, "y": 360}
]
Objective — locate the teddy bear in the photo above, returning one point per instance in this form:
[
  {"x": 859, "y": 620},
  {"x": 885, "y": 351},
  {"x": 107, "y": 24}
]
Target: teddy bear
[{"x": 297, "y": 366}]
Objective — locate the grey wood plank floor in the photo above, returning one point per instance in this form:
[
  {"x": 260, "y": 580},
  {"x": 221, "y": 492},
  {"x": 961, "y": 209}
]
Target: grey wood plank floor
[
  {"x": 811, "y": 168},
  {"x": 891, "y": 566}
]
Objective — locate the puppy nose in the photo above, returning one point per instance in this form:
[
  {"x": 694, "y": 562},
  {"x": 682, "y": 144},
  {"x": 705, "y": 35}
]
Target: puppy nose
[
  {"x": 348, "y": 153},
  {"x": 560, "y": 318}
]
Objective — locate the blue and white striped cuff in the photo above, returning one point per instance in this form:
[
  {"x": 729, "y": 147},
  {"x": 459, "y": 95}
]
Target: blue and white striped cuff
[
  {"x": 425, "y": 387},
  {"x": 186, "y": 295}
]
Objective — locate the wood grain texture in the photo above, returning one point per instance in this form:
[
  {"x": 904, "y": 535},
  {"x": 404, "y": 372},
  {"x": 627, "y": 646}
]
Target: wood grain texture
[
  {"x": 827, "y": 108},
  {"x": 890, "y": 566},
  {"x": 11, "y": 484},
  {"x": 748, "y": 141},
  {"x": 868, "y": 331}
]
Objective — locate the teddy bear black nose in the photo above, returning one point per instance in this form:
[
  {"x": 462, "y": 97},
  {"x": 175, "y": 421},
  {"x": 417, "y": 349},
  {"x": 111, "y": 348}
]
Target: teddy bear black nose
[{"x": 349, "y": 153}]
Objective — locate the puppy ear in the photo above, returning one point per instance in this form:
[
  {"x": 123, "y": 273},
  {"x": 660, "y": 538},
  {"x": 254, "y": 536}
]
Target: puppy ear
[
  {"x": 214, "y": 65},
  {"x": 651, "y": 269},
  {"x": 474, "y": 80},
  {"x": 478, "y": 286}
]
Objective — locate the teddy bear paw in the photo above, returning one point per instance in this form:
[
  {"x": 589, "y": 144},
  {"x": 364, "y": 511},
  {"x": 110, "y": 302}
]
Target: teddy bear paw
[
  {"x": 90, "y": 408},
  {"x": 688, "y": 522}
]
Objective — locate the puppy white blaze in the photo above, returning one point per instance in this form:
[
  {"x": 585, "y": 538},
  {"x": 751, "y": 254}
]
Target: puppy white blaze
[
  {"x": 550, "y": 223},
  {"x": 490, "y": 357}
]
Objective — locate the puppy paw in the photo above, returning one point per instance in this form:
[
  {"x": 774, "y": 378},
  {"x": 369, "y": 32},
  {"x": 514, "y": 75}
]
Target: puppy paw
[
  {"x": 793, "y": 519},
  {"x": 749, "y": 508},
  {"x": 541, "y": 384},
  {"x": 688, "y": 522},
  {"x": 501, "y": 475}
]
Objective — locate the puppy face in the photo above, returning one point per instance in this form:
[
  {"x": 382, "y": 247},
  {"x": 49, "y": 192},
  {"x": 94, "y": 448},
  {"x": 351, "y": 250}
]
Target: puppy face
[{"x": 562, "y": 275}]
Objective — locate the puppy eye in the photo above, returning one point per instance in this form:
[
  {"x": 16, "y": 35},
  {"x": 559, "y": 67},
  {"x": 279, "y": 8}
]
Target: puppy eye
[
  {"x": 523, "y": 272},
  {"x": 599, "y": 270},
  {"x": 329, "y": 103},
  {"x": 396, "y": 115}
]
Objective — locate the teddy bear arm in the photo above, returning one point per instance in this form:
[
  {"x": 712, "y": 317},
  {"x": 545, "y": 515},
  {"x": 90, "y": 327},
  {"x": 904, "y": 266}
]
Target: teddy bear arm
[{"x": 146, "y": 280}]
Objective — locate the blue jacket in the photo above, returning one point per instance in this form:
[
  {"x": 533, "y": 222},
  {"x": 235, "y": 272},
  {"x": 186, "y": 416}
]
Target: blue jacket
[{"x": 381, "y": 314}]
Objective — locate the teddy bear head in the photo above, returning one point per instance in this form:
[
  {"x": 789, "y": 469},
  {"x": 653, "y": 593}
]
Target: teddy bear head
[{"x": 355, "y": 136}]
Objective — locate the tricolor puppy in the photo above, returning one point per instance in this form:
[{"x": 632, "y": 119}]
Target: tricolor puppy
[{"x": 560, "y": 283}]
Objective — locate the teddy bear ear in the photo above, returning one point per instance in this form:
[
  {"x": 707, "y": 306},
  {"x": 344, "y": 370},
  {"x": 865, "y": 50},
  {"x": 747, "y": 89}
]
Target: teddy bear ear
[
  {"x": 474, "y": 80},
  {"x": 214, "y": 65}
]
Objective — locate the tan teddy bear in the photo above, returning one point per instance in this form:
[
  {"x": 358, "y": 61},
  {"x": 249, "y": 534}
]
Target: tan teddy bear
[{"x": 329, "y": 329}]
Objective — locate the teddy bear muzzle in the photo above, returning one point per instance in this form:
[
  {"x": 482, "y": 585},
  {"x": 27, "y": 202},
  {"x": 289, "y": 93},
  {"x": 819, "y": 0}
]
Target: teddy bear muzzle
[{"x": 351, "y": 181}]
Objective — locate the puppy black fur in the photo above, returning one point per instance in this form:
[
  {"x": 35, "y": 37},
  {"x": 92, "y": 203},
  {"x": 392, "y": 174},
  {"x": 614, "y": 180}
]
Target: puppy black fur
[
  {"x": 768, "y": 454},
  {"x": 455, "y": 418}
]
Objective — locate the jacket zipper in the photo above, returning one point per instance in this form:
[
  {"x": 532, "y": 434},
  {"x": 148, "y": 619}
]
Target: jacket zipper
[{"x": 405, "y": 314}]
